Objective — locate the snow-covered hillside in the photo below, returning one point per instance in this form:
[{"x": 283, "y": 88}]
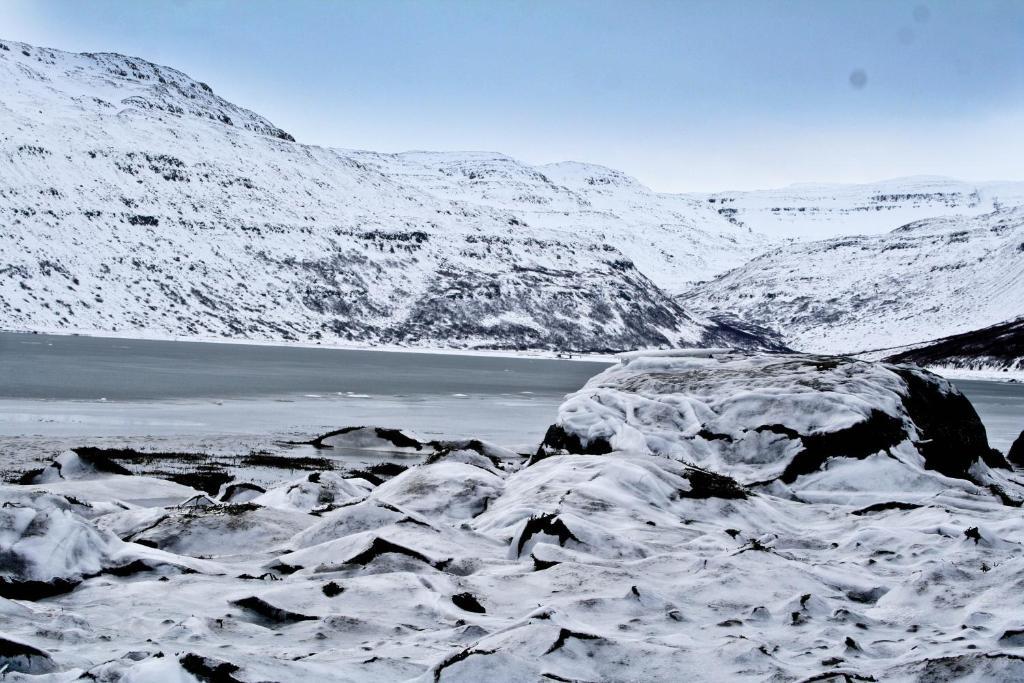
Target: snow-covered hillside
[
  {"x": 819, "y": 211},
  {"x": 133, "y": 199},
  {"x": 926, "y": 280}
]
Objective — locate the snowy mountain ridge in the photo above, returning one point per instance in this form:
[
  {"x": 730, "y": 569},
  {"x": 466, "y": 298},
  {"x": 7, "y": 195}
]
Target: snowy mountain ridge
[
  {"x": 135, "y": 200},
  {"x": 926, "y": 280},
  {"x": 809, "y": 211}
]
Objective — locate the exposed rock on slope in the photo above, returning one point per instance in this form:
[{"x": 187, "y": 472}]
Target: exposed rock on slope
[
  {"x": 1000, "y": 347},
  {"x": 135, "y": 200},
  {"x": 19, "y": 657},
  {"x": 926, "y": 280},
  {"x": 1016, "y": 452}
]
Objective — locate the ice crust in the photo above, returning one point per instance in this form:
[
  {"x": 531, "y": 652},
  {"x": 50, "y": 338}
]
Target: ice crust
[{"x": 481, "y": 564}]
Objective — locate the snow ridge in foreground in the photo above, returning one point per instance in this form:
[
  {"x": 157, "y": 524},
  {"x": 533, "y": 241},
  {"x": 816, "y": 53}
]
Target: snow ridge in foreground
[{"x": 603, "y": 557}]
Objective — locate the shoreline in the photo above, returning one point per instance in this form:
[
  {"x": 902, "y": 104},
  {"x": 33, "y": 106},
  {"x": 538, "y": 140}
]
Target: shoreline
[
  {"x": 989, "y": 375},
  {"x": 142, "y": 335},
  {"x": 948, "y": 372}
]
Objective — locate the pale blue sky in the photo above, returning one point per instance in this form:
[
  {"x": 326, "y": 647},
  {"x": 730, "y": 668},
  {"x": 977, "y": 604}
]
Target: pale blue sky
[{"x": 687, "y": 95}]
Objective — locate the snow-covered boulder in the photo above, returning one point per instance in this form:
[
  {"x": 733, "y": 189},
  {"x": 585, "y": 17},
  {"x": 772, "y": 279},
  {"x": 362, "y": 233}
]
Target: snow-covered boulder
[
  {"x": 315, "y": 490},
  {"x": 765, "y": 419},
  {"x": 70, "y": 465},
  {"x": 45, "y": 548}
]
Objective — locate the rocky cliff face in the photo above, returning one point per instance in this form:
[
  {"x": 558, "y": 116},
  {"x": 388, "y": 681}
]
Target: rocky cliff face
[{"x": 134, "y": 199}]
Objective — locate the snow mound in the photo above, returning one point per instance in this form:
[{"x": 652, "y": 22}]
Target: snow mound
[
  {"x": 74, "y": 465},
  {"x": 43, "y": 543},
  {"x": 220, "y": 529},
  {"x": 657, "y": 535},
  {"x": 315, "y": 490},
  {"x": 794, "y": 420},
  {"x": 48, "y": 547}
]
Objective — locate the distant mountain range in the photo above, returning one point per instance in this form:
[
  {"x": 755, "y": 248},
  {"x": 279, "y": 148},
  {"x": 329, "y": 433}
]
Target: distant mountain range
[
  {"x": 819, "y": 211},
  {"x": 926, "y": 280},
  {"x": 135, "y": 200}
]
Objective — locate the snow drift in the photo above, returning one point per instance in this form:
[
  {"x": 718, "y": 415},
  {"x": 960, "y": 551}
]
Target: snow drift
[{"x": 701, "y": 516}]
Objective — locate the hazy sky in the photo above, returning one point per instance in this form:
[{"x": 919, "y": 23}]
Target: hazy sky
[{"x": 685, "y": 95}]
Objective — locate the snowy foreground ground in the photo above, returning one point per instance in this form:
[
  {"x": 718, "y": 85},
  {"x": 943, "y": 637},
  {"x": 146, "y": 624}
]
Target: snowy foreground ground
[{"x": 707, "y": 517}]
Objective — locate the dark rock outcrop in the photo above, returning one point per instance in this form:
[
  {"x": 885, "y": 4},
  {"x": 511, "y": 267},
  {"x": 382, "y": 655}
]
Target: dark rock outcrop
[
  {"x": 998, "y": 346},
  {"x": 1016, "y": 452},
  {"x": 270, "y": 613},
  {"x": 557, "y": 439},
  {"x": 19, "y": 657},
  {"x": 468, "y": 602},
  {"x": 879, "y": 432},
  {"x": 952, "y": 435},
  {"x": 548, "y": 524}
]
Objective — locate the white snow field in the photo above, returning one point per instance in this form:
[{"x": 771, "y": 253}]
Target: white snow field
[{"x": 707, "y": 517}]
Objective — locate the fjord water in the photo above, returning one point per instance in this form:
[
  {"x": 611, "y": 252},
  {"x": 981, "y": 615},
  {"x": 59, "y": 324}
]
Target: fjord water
[
  {"x": 89, "y": 368},
  {"x": 1000, "y": 406},
  {"x": 63, "y": 386},
  {"x": 96, "y": 386}
]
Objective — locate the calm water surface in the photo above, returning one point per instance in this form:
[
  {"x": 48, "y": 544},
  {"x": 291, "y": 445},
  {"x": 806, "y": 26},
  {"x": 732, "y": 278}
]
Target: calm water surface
[
  {"x": 1000, "y": 406},
  {"x": 118, "y": 387},
  {"x": 63, "y": 387},
  {"x": 89, "y": 368}
]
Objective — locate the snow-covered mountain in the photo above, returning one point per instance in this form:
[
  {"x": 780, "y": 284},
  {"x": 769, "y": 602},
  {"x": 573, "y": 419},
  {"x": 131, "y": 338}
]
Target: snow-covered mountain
[
  {"x": 134, "y": 199},
  {"x": 923, "y": 281},
  {"x": 820, "y": 211}
]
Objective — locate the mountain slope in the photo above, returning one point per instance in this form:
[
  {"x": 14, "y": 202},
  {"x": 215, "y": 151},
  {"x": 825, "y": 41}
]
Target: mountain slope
[
  {"x": 1000, "y": 347},
  {"x": 819, "y": 211},
  {"x": 926, "y": 280},
  {"x": 134, "y": 199}
]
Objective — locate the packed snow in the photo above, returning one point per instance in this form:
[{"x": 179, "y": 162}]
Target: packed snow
[{"x": 696, "y": 516}]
